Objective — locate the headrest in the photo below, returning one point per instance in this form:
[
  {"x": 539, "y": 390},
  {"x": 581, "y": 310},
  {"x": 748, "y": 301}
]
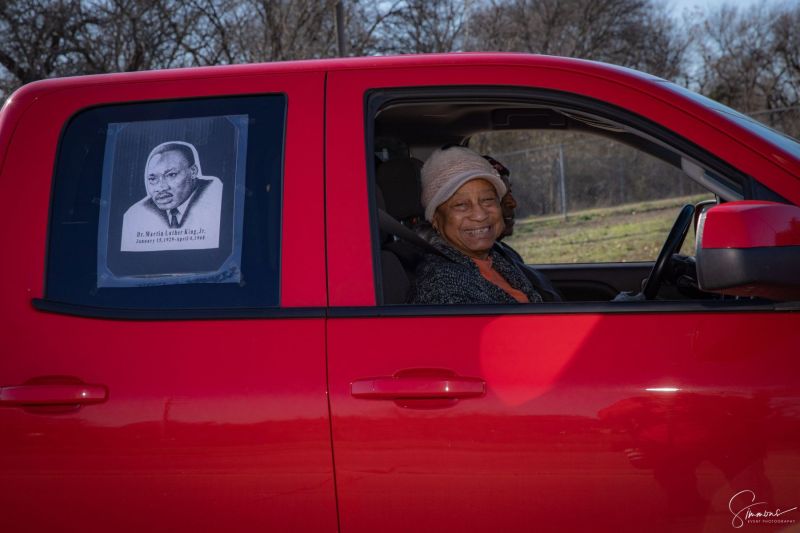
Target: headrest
[{"x": 398, "y": 180}]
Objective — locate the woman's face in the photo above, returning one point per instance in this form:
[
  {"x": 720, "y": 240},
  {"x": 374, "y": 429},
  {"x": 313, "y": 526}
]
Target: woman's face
[{"x": 471, "y": 219}]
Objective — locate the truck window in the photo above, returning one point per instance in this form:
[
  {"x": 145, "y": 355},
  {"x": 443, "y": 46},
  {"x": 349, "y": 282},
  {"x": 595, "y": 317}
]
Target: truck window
[
  {"x": 585, "y": 198},
  {"x": 169, "y": 205},
  {"x": 594, "y": 196}
]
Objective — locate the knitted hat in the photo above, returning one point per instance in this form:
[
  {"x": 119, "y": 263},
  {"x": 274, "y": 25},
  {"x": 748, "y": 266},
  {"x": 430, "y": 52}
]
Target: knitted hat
[{"x": 447, "y": 169}]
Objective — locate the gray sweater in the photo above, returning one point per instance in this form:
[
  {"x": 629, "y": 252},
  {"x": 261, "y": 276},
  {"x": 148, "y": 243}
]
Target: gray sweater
[{"x": 455, "y": 279}]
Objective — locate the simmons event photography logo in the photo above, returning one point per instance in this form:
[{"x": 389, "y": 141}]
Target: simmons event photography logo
[{"x": 747, "y": 510}]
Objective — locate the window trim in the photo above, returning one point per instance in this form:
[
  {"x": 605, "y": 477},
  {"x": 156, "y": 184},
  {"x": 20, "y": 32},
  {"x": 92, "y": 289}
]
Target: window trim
[
  {"x": 377, "y": 99},
  {"x": 568, "y": 308},
  {"x": 275, "y": 310},
  {"x": 111, "y": 313}
]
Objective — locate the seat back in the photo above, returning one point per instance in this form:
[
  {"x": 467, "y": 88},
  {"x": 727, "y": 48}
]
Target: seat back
[
  {"x": 395, "y": 282},
  {"x": 399, "y": 181}
]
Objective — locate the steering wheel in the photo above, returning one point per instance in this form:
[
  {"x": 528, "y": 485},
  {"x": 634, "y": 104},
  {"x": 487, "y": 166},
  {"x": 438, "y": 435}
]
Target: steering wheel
[{"x": 671, "y": 246}]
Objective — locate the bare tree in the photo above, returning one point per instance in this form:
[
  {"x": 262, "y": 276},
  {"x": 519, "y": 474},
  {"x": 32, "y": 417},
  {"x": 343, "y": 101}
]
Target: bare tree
[
  {"x": 734, "y": 52},
  {"x": 750, "y": 60},
  {"x": 48, "y": 38},
  {"x": 634, "y": 33},
  {"x": 786, "y": 96},
  {"x": 36, "y": 39},
  {"x": 239, "y": 31},
  {"x": 424, "y": 26},
  {"x": 366, "y": 23},
  {"x": 654, "y": 44},
  {"x": 130, "y": 35}
]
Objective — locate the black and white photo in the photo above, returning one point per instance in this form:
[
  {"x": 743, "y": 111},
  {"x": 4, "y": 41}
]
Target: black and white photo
[
  {"x": 172, "y": 202},
  {"x": 182, "y": 208}
]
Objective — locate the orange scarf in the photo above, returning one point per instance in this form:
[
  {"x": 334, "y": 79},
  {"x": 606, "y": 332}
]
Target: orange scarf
[{"x": 493, "y": 276}]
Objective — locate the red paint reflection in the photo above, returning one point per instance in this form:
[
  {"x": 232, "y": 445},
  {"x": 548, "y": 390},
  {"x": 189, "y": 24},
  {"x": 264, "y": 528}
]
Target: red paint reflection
[{"x": 672, "y": 432}]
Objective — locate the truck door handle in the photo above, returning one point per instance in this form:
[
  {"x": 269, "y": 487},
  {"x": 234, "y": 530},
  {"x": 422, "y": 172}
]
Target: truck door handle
[
  {"x": 44, "y": 394},
  {"x": 411, "y": 387}
]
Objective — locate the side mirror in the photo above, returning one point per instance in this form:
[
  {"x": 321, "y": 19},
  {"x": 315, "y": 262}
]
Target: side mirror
[{"x": 750, "y": 248}]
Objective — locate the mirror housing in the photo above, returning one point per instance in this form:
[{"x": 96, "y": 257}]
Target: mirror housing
[{"x": 750, "y": 248}]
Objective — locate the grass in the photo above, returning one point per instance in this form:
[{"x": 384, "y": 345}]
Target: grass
[{"x": 630, "y": 232}]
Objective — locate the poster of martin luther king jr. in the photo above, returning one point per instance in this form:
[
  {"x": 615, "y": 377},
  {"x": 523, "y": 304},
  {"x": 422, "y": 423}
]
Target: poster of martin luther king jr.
[{"x": 182, "y": 208}]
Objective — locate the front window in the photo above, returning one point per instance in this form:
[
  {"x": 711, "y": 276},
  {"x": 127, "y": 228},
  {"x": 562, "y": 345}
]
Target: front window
[{"x": 595, "y": 191}]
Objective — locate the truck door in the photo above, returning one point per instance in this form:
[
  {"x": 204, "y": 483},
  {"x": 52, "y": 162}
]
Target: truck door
[
  {"x": 163, "y": 363},
  {"x": 575, "y": 416}
]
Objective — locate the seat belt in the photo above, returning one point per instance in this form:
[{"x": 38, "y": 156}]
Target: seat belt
[{"x": 387, "y": 223}]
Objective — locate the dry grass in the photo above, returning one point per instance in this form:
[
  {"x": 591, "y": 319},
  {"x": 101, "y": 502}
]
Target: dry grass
[{"x": 632, "y": 232}]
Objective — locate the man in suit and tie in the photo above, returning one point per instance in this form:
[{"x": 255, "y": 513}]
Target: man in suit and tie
[{"x": 182, "y": 208}]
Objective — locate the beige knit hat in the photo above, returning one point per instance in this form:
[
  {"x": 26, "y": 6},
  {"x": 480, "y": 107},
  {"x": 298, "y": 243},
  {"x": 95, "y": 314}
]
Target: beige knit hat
[{"x": 447, "y": 169}]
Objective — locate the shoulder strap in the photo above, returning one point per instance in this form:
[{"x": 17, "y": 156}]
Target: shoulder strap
[{"x": 388, "y": 224}]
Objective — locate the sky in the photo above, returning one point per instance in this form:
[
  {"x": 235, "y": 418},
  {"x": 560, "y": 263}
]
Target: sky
[{"x": 679, "y": 6}]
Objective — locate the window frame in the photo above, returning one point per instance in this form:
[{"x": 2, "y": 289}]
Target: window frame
[
  {"x": 264, "y": 166},
  {"x": 378, "y": 99}
]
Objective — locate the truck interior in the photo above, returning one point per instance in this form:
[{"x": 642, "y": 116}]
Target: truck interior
[{"x": 518, "y": 126}]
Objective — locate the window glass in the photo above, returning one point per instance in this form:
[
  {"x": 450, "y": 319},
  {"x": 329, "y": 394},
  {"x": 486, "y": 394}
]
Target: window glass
[
  {"x": 169, "y": 205},
  {"x": 592, "y": 187},
  {"x": 584, "y": 198}
]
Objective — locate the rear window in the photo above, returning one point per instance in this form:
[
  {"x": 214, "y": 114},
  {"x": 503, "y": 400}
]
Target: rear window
[{"x": 169, "y": 205}]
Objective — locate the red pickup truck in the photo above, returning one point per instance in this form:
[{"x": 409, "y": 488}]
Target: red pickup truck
[{"x": 242, "y": 356}]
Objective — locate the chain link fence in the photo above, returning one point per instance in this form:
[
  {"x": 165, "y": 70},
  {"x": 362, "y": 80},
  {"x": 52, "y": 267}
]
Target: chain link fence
[{"x": 581, "y": 173}]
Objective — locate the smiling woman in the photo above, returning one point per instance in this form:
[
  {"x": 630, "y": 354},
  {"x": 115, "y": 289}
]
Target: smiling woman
[
  {"x": 470, "y": 220},
  {"x": 461, "y": 194}
]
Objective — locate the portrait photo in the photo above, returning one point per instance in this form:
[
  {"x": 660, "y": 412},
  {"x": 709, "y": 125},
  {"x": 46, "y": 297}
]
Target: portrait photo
[
  {"x": 182, "y": 208},
  {"x": 172, "y": 202}
]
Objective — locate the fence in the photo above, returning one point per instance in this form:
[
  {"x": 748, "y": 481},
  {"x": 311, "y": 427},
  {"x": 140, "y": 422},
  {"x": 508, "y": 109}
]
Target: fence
[{"x": 578, "y": 174}]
